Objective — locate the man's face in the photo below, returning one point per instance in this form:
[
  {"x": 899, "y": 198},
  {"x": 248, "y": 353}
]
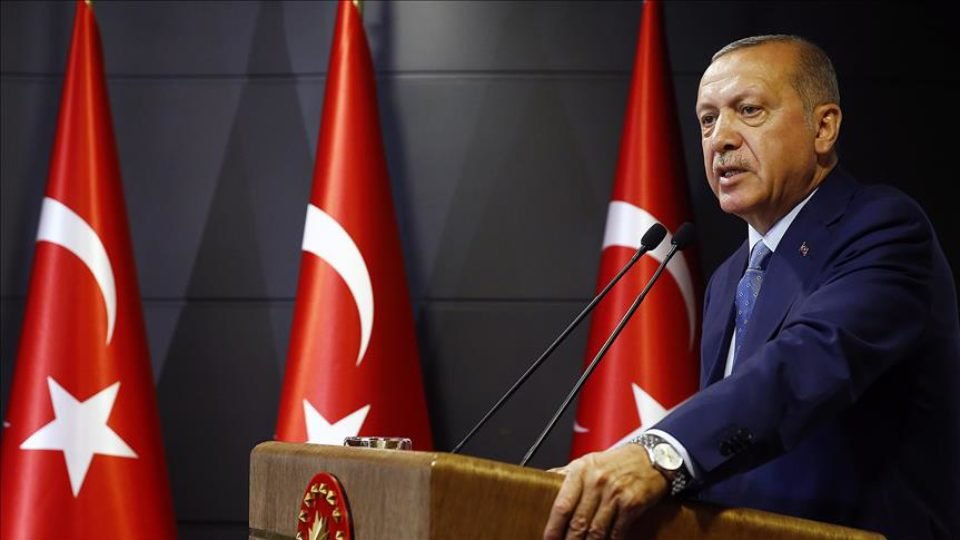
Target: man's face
[{"x": 758, "y": 145}]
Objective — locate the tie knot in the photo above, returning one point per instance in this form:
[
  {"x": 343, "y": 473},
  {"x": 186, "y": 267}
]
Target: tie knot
[{"x": 759, "y": 257}]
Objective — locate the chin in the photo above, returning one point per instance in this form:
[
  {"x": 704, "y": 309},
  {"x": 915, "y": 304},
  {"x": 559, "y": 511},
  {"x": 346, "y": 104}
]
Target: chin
[{"x": 730, "y": 205}]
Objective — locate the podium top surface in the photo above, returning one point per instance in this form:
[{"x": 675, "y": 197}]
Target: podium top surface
[{"x": 436, "y": 495}]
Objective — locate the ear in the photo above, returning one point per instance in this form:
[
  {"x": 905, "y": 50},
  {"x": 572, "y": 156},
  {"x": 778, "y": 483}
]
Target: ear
[{"x": 827, "y": 118}]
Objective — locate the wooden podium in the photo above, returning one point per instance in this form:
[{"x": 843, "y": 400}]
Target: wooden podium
[{"x": 400, "y": 495}]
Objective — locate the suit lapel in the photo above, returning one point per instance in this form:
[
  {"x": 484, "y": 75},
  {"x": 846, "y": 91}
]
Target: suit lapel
[
  {"x": 797, "y": 260},
  {"x": 716, "y": 336}
]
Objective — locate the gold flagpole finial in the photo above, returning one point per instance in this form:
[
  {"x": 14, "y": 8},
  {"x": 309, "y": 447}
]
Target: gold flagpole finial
[{"x": 359, "y": 4}]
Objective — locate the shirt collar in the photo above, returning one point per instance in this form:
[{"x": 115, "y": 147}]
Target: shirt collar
[{"x": 775, "y": 234}]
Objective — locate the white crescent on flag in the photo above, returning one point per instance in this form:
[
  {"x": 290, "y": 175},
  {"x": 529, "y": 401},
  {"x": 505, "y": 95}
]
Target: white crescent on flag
[
  {"x": 327, "y": 239},
  {"x": 626, "y": 224},
  {"x": 62, "y": 226}
]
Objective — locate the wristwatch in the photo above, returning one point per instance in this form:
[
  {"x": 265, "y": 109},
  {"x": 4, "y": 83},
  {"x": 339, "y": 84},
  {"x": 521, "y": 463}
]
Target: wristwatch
[{"x": 666, "y": 459}]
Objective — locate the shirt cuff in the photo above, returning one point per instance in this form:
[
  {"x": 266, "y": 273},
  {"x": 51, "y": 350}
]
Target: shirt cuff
[{"x": 687, "y": 462}]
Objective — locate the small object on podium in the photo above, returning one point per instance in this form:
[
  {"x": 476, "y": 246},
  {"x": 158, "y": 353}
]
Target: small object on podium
[
  {"x": 323, "y": 511},
  {"x": 384, "y": 443}
]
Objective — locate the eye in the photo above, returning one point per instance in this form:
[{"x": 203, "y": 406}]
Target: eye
[
  {"x": 749, "y": 110},
  {"x": 707, "y": 120}
]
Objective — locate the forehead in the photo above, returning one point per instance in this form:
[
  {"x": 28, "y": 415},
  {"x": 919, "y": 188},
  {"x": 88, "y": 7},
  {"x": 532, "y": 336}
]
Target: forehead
[{"x": 763, "y": 68}]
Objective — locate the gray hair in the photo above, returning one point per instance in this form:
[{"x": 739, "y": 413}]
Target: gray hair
[{"x": 814, "y": 78}]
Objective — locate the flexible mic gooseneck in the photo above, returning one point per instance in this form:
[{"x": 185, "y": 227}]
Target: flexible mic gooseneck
[
  {"x": 651, "y": 239},
  {"x": 681, "y": 239}
]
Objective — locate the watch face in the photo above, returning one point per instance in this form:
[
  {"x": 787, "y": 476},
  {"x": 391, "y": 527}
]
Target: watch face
[{"x": 666, "y": 457}]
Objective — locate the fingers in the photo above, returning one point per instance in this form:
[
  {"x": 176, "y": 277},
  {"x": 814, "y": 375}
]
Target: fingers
[
  {"x": 563, "y": 507},
  {"x": 603, "y": 520},
  {"x": 578, "y": 511},
  {"x": 603, "y": 494},
  {"x": 582, "y": 519}
]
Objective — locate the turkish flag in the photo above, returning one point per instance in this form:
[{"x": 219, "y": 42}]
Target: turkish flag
[
  {"x": 82, "y": 455},
  {"x": 353, "y": 367},
  {"x": 653, "y": 365}
]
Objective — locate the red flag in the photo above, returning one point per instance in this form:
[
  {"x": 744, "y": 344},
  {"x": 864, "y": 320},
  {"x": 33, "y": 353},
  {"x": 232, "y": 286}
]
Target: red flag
[
  {"x": 653, "y": 365},
  {"x": 82, "y": 455},
  {"x": 353, "y": 367}
]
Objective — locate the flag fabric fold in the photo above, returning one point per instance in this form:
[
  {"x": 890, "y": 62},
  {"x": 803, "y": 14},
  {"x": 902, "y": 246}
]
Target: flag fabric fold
[
  {"x": 353, "y": 364},
  {"x": 653, "y": 365},
  {"x": 82, "y": 453}
]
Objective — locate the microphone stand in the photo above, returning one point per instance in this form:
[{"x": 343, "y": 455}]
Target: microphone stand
[
  {"x": 680, "y": 241},
  {"x": 651, "y": 239}
]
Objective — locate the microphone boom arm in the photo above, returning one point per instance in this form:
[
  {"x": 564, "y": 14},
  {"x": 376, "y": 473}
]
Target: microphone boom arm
[
  {"x": 549, "y": 350},
  {"x": 651, "y": 239},
  {"x": 596, "y": 360}
]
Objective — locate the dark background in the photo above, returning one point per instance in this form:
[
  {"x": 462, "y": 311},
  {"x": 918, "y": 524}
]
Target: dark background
[{"x": 501, "y": 122}]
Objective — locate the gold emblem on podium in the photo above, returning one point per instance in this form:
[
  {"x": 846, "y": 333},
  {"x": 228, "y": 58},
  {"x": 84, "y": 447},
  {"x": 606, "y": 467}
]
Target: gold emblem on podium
[{"x": 323, "y": 511}]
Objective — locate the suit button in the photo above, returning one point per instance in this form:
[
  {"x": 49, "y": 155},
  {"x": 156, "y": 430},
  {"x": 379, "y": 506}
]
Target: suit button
[
  {"x": 726, "y": 449},
  {"x": 743, "y": 437}
]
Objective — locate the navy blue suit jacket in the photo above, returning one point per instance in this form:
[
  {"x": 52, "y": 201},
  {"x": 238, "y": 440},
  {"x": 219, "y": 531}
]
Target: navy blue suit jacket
[{"x": 844, "y": 405}]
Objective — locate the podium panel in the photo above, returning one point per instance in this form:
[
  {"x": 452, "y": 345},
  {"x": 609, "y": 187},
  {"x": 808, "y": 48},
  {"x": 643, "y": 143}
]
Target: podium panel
[{"x": 404, "y": 495}]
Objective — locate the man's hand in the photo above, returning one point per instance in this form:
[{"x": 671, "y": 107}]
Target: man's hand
[{"x": 604, "y": 493}]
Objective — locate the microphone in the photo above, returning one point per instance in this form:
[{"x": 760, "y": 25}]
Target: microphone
[
  {"x": 682, "y": 239},
  {"x": 650, "y": 240}
]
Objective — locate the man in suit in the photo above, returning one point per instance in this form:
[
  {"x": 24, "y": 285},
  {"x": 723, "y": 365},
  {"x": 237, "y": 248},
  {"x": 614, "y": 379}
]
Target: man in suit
[{"x": 830, "y": 361}]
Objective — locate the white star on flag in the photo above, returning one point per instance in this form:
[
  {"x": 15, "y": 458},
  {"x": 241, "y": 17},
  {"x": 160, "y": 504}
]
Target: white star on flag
[
  {"x": 649, "y": 410},
  {"x": 79, "y": 430},
  {"x": 321, "y": 431}
]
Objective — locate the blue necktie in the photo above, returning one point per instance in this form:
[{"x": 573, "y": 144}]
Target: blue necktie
[{"x": 748, "y": 289}]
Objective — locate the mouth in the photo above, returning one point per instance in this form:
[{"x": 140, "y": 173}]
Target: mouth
[{"x": 729, "y": 174}]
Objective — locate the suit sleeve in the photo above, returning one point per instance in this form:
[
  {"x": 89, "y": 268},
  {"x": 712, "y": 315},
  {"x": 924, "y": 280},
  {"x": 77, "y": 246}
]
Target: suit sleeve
[{"x": 860, "y": 315}]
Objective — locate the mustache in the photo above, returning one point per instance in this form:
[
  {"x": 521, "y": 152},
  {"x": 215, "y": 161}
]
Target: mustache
[{"x": 729, "y": 161}]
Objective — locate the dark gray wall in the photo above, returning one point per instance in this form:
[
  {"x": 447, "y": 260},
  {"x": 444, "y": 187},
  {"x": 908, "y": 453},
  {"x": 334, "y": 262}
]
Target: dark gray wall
[{"x": 501, "y": 122}]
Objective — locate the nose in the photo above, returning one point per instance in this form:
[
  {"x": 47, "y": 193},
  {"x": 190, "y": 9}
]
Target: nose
[{"x": 726, "y": 135}]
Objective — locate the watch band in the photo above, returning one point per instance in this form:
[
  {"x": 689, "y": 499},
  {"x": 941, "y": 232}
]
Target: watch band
[{"x": 679, "y": 478}]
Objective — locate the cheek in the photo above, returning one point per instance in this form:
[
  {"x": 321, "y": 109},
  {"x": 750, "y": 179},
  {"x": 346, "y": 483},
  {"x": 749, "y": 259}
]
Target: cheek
[
  {"x": 767, "y": 152},
  {"x": 781, "y": 158},
  {"x": 755, "y": 146},
  {"x": 781, "y": 147}
]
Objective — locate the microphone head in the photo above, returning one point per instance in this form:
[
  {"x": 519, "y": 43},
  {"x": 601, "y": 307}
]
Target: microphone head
[
  {"x": 654, "y": 235},
  {"x": 684, "y": 236}
]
